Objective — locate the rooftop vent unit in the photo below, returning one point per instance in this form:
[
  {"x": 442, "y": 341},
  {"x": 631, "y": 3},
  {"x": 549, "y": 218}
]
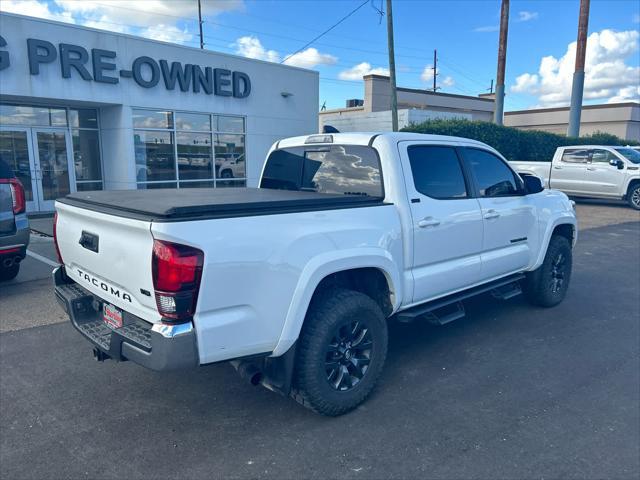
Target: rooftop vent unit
[{"x": 355, "y": 102}]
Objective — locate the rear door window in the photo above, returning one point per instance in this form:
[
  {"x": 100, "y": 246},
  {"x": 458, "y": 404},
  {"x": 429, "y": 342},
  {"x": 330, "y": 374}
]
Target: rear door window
[
  {"x": 338, "y": 169},
  {"x": 574, "y": 155},
  {"x": 437, "y": 172}
]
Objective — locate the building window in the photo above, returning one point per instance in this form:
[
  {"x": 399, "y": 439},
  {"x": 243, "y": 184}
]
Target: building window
[
  {"x": 80, "y": 124},
  {"x": 193, "y": 150},
  {"x": 155, "y": 160}
]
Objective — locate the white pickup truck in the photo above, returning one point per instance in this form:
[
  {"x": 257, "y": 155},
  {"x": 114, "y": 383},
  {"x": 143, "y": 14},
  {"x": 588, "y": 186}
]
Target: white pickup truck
[
  {"x": 591, "y": 171},
  {"x": 294, "y": 281}
]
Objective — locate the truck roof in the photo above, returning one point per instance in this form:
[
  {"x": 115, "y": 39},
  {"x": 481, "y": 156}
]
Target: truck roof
[{"x": 365, "y": 138}]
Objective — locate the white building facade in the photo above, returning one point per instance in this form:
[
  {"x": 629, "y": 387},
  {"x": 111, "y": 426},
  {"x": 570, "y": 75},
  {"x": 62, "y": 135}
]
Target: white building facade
[{"x": 84, "y": 109}]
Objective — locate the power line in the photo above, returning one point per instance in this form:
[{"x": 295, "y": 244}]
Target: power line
[
  {"x": 224, "y": 43},
  {"x": 327, "y": 30}
]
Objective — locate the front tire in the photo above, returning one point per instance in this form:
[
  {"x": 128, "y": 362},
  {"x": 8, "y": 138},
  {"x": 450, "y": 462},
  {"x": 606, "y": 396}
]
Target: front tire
[
  {"x": 633, "y": 198},
  {"x": 547, "y": 286},
  {"x": 340, "y": 353}
]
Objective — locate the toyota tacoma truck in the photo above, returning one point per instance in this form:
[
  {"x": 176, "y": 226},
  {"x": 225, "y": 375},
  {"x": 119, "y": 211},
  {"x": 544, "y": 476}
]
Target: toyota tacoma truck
[
  {"x": 591, "y": 171},
  {"x": 293, "y": 282}
]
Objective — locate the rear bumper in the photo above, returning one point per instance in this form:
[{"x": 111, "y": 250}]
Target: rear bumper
[
  {"x": 158, "y": 347},
  {"x": 15, "y": 244}
]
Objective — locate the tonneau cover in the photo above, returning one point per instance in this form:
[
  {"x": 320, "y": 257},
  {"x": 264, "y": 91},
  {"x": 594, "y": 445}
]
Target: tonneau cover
[{"x": 200, "y": 203}]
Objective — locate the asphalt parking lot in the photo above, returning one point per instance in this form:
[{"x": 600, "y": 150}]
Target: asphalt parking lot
[{"x": 510, "y": 391}]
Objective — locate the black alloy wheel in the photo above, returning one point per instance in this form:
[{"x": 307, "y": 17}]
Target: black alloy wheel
[
  {"x": 348, "y": 355},
  {"x": 558, "y": 272}
]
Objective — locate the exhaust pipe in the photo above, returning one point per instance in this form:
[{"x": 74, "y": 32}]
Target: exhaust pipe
[
  {"x": 17, "y": 259},
  {"x": 248, "y": 370},
  {"x": 7, "y": 262}
]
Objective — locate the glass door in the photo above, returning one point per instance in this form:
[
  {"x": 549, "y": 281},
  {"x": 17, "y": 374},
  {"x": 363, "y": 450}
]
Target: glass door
[
  {"x": 16, "y": 150},
  {"x": 52, "y": 148}
]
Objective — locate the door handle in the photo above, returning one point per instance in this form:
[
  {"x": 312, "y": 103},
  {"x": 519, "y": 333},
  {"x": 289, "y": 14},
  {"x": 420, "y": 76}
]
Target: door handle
[
  {"x": 491, "y": 214},
  {"x": 591, "y": 169},
  {"x": 428, "y": 222},
  {"x": 557, "y": 167}
]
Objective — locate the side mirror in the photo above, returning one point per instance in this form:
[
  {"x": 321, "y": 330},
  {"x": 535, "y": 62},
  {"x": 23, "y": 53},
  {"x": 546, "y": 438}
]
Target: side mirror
[
  {"x": 532, "y": 184},
  {"x": 616, "y": 162}
]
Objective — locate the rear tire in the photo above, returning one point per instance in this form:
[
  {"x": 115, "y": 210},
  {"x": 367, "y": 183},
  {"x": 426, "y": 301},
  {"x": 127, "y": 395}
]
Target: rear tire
[
  {"x": 340, "y": 353},
  {"x": 633, "y": 197},
  {"x": 547, "y": 286},
  {"x": 9, "y": 273}
]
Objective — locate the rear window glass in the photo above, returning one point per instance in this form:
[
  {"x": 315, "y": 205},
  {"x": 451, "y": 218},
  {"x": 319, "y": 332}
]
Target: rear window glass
[
  {"x": 339, "y": 169},
  {"x": 436, "y": 171},
  {"x": 575, "y": 155}
]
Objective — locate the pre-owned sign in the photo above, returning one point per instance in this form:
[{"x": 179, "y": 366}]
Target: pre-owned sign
[{"x": 99, "y": 65}]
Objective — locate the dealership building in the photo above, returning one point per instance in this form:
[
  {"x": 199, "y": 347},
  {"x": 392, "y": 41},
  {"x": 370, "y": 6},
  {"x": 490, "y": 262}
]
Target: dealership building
[{"x": 84, "y": 109}]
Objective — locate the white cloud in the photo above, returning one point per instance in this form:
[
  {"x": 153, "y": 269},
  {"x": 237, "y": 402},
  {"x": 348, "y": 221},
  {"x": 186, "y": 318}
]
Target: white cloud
[
  {"x": 487, "y": 28},
  {"x": 310, "y": 58},
  {"x": 158, "y": 19},
  {"x": 167, "y": 33},
  {"x": 146, "y": 14},
  {"x": 525, "y": 16},
  {"x": 525, "y": 83},
  {"x": 427, "y": 76},
  {"x": 358, "y": 71},
  {"x": 427, "y": 73},
  {"x": 34, "y": 8},
  {"x": 251, "y": 47},
  {"x": 607, "y": 76},
  {"x": 625, "y": 94}
]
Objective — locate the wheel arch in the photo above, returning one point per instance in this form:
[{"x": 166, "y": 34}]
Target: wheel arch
[
  {"x": 632, "y": 184},
  {"x": 563, "y": 226},
  {"x": 375, "y": 275}
]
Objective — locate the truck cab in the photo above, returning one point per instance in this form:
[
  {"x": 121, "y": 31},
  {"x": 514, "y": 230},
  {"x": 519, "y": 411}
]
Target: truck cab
[{"x": 595, "y": 171}]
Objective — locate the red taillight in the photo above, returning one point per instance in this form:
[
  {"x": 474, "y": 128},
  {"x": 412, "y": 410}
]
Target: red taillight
[
  {"x": 176, "y": 278},
  {"x": 55, "y": 238},
  {"x": 17, "y": 194}
]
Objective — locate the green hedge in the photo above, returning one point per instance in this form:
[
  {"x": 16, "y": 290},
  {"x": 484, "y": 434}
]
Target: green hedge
[{"x": 514, "y": 144}]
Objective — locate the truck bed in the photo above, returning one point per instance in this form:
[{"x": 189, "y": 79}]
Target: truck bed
[{"x": 174, "y": 205}]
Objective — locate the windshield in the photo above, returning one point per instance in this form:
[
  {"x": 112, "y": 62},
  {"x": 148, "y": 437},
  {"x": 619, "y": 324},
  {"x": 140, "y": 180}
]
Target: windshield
[
  {"x": 335, "y": 169},
  {"x": 630, "y": 154}
]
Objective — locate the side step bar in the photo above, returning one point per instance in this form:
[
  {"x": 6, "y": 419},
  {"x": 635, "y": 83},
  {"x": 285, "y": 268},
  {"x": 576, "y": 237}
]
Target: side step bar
[{"x": 450, "y": 308}]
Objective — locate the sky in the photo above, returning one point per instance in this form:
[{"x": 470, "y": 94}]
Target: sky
[{"x": 540, "y": 54}]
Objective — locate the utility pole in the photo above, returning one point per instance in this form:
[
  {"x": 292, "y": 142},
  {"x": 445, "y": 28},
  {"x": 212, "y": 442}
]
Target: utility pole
[
  {"x": 435, "y": 69},
  {"x": 578, "y": 75},
  {"x": 392, "y": 69},
  {"x": 200, "y": 24},
  {"x": 502, "y": 60}
]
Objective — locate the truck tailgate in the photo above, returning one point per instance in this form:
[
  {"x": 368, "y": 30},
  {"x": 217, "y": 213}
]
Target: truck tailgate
[{"x": 114, "y": 260}]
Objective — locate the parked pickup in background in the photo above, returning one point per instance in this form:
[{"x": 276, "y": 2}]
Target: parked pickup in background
[
  {"x": 591, "y": 171},
  {"x": 294, "y": 281}
]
